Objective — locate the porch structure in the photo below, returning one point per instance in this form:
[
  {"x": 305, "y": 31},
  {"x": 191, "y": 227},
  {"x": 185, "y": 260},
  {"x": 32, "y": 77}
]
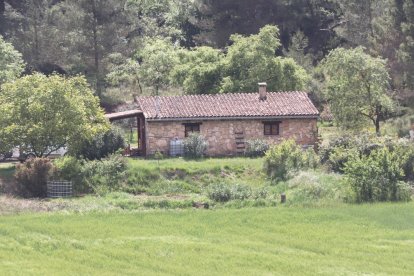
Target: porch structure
[{"x": 140, "y": 123}]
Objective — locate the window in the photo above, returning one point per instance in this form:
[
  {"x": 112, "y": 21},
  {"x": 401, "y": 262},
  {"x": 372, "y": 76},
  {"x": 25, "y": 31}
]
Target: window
[
  {"x": 190, "y": 128},
  {"x": 271, "y": 128}
]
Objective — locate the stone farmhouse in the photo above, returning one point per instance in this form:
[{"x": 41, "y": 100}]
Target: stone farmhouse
[{"x": 226, "y": 121}]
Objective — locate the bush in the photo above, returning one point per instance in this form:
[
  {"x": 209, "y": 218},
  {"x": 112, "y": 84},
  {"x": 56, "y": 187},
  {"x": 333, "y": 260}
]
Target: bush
[
  {"x": 287, "y": 157},
  {"x": 32, "y": 177},
  {"x": 223, "y": 192},
  {"x": 195, "y": 146},
  {"x": 405, "y": 148},
  {"x": 256, "y": 148},
  {"x": 69, "y": 168},
  {"x": 310, "y": 159},
  {"x": 101, "y": 146},
  {"x": 339, "y": 157},
  {"x": 106, "y": 175},
  {"x": 378, "y": 176}
]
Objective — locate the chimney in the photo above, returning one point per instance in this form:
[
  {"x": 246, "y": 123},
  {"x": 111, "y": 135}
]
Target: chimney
[{"x": 262, "y": 91}]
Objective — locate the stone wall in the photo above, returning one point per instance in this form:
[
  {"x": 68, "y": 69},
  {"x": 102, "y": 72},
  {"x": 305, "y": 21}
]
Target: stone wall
[{"x": 221, "y": 135}]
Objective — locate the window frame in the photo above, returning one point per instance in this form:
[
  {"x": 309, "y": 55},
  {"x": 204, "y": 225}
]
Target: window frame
[
  {"x": 191, "y": 128},
  {"x": 273, "y": 126}
]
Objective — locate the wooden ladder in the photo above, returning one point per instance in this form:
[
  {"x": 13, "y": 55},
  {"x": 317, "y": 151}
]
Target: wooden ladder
[{"x": 240, "y": 143}]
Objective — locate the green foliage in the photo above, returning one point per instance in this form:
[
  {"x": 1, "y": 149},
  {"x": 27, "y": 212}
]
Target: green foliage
[
  {"x": 102, "y": 145},
  {"x": 159, "y": 57},
  {"x": 199, "y": 70},
  {"x": 378, "y": 177},
  {"x": 70, "y": 168},
  {"x": 32, "y": 177},
  {"x": 252, "y": 59},
  {"x": 285, "y": 158},
  {"x": 405, "y": 13},
  {"x": 11, "y": 62},
  {"x": 256, "y": 148},
  {"x": 106, "y": 175},
  {"x": 356, "y": 87},
  {"x": 249, "y": 60},
  {"x": 43, "y": 114},
  {"x": 195, "y": 145},
  {"x": 341, "y": 149},
  {"x": 339, "y": 156},
  {"x": 224, "y": 192}
]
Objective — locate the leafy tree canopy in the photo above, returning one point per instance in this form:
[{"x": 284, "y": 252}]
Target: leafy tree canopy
[
  {"x": 253, "y": 59},
  {"x": 199, "y": 70},
  {"x": 44, "y": 114},
  {"x": 357, "y": 87},
  {"x": 248, "y": 60},
  {"x": 11, "y": 62},
  {"x": 158, "y": 59}
]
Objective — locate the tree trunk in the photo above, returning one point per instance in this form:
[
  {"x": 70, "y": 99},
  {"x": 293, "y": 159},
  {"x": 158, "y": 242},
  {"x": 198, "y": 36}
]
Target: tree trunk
[
  {"x": 96, "y": 49},
  {"x": 377, "y": 126}
]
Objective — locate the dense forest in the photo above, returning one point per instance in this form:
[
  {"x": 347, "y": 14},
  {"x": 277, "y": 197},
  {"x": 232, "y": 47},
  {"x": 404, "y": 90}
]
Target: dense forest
[{"x": 127, "y": 47}]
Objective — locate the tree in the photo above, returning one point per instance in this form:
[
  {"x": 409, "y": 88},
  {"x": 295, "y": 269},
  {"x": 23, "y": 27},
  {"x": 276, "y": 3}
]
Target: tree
[
  {"x": 218, "y": 20},
  {"x": 32, "y": 28},
  {"x": 159, "y": 57},
  {"x": 357, "y": 87},
  {"x": 406, "y": 49},
  {"x": 199, "y": 70},
  {"x": 44, "y": 114},
  {"x": 253, "y": 59},
  {"x": 11, "y": 62},
  {"x": 298, "y": 51}
]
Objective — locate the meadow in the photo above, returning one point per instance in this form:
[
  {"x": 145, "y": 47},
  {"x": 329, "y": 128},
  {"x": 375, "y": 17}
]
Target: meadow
[{"x": 341, "y": 240}]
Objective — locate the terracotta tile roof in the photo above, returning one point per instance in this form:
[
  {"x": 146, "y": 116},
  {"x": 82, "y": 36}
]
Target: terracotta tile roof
[{"x": 277, "y": 104}]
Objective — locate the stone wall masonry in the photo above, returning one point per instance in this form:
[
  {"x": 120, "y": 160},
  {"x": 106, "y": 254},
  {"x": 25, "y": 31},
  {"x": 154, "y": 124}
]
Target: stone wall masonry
[{"x": 220, "y": 134}]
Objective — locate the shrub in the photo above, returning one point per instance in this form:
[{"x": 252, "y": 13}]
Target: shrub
[
  {"x": 339, "y": 157},
  {"x": 310, "y": 159},
  {"x": 223, "y": 192},
  {"x": 256, "y": 148},
  {"x": 405, "y": 148},
  {"x": 32, "y": 176},
  {"x": 195, "y": 146},
  {"x": 220, "y": 192},
  {"x": 69, "y": 168},
  {"x": 106, "y": 175},
  {"x": 283, "y": 159},
  {"x": 378, "y": 176},
  {"x": 101, "y": 146}
]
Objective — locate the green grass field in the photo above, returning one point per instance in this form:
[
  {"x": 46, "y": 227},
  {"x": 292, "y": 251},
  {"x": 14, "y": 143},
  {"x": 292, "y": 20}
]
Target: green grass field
[{"x": 346, "y": 240}]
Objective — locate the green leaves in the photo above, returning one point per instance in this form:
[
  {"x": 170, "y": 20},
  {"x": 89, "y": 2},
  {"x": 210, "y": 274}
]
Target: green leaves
[
  {"x": 47, "y": 113},
  {"x": 248, "y": 60},
  {"x": 356, "y": 85},
  {"x": 253, "y": 59},
  {"x": 11, "y": 62},
  {"x": 378, "y": 176}
]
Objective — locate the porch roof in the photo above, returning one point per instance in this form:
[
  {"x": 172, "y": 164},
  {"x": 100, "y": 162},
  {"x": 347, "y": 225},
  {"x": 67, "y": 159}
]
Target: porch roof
[{"x": 123, "y": 115}]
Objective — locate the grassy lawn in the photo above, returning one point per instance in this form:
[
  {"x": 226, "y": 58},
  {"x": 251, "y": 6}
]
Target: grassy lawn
[{"x": 346, "y": 240}]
